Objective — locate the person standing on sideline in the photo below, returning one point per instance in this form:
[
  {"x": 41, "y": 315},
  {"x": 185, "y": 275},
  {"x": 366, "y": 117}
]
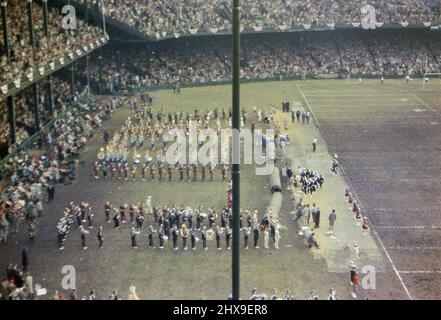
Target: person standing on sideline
[
  {"x": 83, "y": 237},
  {"x": 332, "y": 218},
  {"x": 100, "y": 237},
  {"x": 256, "y": 236},
  {"x": 50, "y": 193},
  {"x": 314, "y": 145},
  {"x": 355, "y": 280},
  {"x": 25, "y": 259}
]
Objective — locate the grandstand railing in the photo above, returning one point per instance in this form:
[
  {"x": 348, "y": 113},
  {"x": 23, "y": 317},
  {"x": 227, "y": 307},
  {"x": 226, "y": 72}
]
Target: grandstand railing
[
  {"x": 25, "y": 80},
  {"x": 33, "y": 140}
]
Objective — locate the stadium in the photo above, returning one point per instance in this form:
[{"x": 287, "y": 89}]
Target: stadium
[{"x": 134, "y": 135}]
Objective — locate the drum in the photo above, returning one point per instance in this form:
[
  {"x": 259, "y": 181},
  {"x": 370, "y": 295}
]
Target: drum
[{"x": 210, "y": 235}]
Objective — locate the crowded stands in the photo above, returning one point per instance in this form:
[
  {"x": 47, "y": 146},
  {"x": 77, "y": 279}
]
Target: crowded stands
[
  {"x": 56, "y": 45},
  {"x": 263, "y": 57},
  {"x": 163, "y": 19}
]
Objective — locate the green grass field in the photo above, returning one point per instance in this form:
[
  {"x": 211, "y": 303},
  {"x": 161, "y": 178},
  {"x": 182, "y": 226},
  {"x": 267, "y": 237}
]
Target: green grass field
[{"x": 204, "y": 275}]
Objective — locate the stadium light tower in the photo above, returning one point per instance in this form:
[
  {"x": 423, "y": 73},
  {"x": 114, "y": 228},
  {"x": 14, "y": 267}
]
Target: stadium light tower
[{"x": 235, "y": 172}]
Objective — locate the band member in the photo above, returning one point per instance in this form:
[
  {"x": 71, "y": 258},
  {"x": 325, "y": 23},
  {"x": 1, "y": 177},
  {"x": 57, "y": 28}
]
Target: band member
[
  {"x": 212, "y": 217},
  {"x": 100, "y": 237},
  {"x": 115, "y": 220},
  {"x": 150, "y": 237},
  {"x": 83, "y": 237},
  {"x": 223, "y": 172},
  {"x": 132, "y": 213},
  {"x": 204, "y": 238},
  {"x": 133, "y": 234},
  {"x": 126, "y": 171},
  {"x": 170, "y": 172},
  {"x": 190, "y": 220},
  {"x": 175, "y": 238},
  {"x": 112, "y": 171},
  {"x": 256, "y": 237},
  {"x": 365, "y": 226},
  {"x": 228, "y": 234},
  {"x": 107, "y": 208},
  {"x": 160, "y": 168},
  {"x": 181, "y": 173},
  {"x": 141, "y": 210},
  {"x": 139, "y": 220},
  {"x": 155, "y": 214},
  {"x": 95, "y": 170},
  {"x": 195, "y": 172},
  {"x": 184, "y": 235},
  {"x": 246, "y": 235},
  {"x": 122, "y": 212},
  {"x": 193, "y": 239},
  {"x": 143, "y": 167},
  {"x": 210, "y": 172},
  {"x": 133, "y": 171},
  {"x": 120, "y": 170},
  {"x": 83, "y": 210},
  {"x": 161, "y": 235},
  {"x": 90, "y": 220},
  {"x": 203, "y": 173},
  {"x": 152, "y": 171},
  {"x": 218, "y": 236},
  {"x": 188, "y": 169}
]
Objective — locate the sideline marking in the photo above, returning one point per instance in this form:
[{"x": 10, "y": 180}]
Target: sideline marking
[
  {"x": 309, "y": 106},
  {"x": 375, "y": 234}
]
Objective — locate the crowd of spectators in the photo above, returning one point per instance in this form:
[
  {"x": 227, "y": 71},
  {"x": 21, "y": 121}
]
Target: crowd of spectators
[
  {"x": 25, "y": 114},
  {"x": 166, "y": 18},
  {"x": 57, "y": 44},
  {"x": 205, "y": 60},
  {"x": 34, "y": 170}
]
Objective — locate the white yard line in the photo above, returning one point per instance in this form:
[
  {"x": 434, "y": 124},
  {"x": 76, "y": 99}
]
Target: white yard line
[
  {"x": 380, "y": 242},
  {"x": 410, "y": 227},
  {"x": 423, "y": 102},
  {"x": 309, "y": 106},
  {"x": 421, "y": 272},
  {"x": 393, "y": 265},
  {"x": 414, "y": 248}
]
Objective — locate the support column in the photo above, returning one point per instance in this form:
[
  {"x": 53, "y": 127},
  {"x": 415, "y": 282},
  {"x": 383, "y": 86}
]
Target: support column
[
  {"x": 72, "y": 81},
  {"x": 86, "y": 11},
  {"x": 103, "y": 16},
  {"x": 31, "y": 24},
  {"x": 235, "y": 174},
  {"x": 88, "y": 71},
  {"x": 36, "y": 109},
  {"x": 45, "y": 18},
  {"x": 51, "y": 98},
  {"x": 10, "y": 100},
  {"x": 34, "y": 86},
  {"x": 100, "y": 63}
]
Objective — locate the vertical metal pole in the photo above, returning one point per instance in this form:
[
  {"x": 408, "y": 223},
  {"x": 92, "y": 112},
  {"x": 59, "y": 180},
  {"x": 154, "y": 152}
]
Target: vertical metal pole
[
  {"x": 236, "y": 167},
  {"x": 100, "y": 64},
  {"x": 88, "y": 71},
  {"x": 86, "y": 11},
  {"x": 72, "y": 81},
  {"x": 31, "y": 24},
  {"x": 5, "y": 30},
  {"x": 45, "y": 18},
  {"x": 34, "y": 86},
  {"x": 104, "y": 16},
  {"x": 10, "y": 100},
  {"x": 51, "y": 98},
  {"x": 36, "y": 110}
]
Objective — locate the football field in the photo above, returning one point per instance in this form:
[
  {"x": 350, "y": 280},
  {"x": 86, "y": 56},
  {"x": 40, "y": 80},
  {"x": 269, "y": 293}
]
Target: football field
[{"x": 388, "y": 143}]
